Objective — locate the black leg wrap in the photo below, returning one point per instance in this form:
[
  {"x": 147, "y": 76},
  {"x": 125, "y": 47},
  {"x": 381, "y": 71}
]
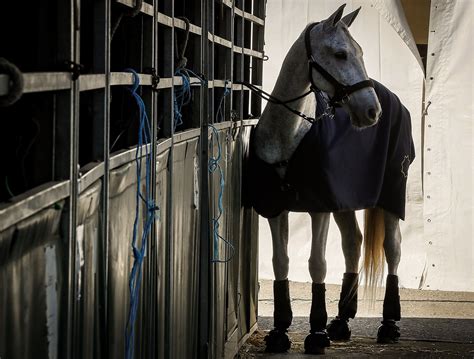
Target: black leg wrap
[
  {"x": 391, "y": 302},
  {"x": 318, "y": 317},
  {"x": 348, "y": 299},
  {"x": 339, "y": 328},
  {"x": 388, "y": 333},
  {"x": 317, "y": 340},
  {"x": 277, "y": 341},
  {"x": 282, "y": 314},
  {"x": 316, "y": 343}
]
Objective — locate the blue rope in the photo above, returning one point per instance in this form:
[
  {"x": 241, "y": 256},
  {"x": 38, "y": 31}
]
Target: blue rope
[
  {"x": 182, "y": 94},
  {"x": 139, "y": 251},
  {"x": 213, "y": 166}
]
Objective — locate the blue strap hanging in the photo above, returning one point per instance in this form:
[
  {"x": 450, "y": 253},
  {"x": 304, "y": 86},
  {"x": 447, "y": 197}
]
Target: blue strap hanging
[
  {"x": 143, "y": 150},
  {"x": 213, "y": 166},
  {"x": 183, "y": 94}
]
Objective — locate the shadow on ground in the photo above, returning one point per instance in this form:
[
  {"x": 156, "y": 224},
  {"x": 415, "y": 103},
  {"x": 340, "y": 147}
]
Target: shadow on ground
[{"x": 421, "y": 338}]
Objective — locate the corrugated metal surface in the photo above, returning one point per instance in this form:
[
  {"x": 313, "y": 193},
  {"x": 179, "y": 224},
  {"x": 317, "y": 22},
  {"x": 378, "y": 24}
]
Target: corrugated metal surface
[
  {"x": 162, "y": 198},
  {"x": 88, "y": 259},
  {"x": 68, "y": 184},
  {"x": 122, "y": 215},
  {"x": 31, "y": 286},
  {"x": 33, "y": 265},
  {"x": 184, "y": 252},
  {"x": 233, "y": 160},
  {"x": 219, "y": 251},
  {"x": 248, "y": 256}
]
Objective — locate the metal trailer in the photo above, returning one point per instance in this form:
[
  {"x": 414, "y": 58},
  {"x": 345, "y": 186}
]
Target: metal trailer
[{"x": 68, "y": 178}]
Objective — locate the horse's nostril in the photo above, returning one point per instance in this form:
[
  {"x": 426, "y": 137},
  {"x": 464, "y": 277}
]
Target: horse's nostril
[{"x": 372, "y": 113}]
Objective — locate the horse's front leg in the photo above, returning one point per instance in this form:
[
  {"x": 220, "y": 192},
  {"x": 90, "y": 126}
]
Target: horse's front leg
[
  {"x": 351, "y": 237},
  {"x": 389, "y": 332},
  {"x": 277, "y": 340},
  {"x": 318, "y": 340}
]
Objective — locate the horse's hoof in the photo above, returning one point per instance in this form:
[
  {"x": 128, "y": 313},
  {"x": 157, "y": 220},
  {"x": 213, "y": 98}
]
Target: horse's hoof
[
  {"x": 316, "y": 343},
  {"x": 277, "y": 341},
  {"x": 339, "y": 329},
  {"x": 388, "y": 333}
]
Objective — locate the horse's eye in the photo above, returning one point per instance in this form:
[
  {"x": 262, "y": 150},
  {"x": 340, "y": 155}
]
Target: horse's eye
[{"x": 342, "y": 55}]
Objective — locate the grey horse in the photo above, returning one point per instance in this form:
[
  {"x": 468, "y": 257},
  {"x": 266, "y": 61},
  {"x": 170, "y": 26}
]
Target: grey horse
[{"x": 336, "y": 67}]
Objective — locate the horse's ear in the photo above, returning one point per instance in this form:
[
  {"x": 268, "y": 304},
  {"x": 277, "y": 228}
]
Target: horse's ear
[
  {"x": 349, "y": 18},
  {"x": 334, "y": 18}
]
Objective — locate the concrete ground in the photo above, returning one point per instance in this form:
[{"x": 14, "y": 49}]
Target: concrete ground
[{"x": 435, "y": 324}]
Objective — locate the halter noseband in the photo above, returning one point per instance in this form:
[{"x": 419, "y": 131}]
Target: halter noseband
[{"x": 341, "y": 92}]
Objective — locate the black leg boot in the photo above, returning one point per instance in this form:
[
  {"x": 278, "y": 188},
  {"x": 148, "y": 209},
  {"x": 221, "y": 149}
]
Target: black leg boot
[
  {"x": 389, "y": 332},
  {"x": 277, "y": 340},
  {"x": 317, "y": 340},
  {"x": 339, "y": 329}
]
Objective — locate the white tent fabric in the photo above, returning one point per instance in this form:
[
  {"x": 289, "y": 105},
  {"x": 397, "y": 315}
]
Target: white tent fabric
[
  {"x": 448, "y": 150},
  {"x": 391, "y": 57}
]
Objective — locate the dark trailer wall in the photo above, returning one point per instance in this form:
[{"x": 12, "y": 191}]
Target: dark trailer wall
[{"x": 68, "y": 177}]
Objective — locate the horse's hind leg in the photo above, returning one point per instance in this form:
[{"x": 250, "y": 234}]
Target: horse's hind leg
[
  {"x": 277, "y": 340},
  {"x": 318, "y": 340},
  {"x": 389, "y": 331},
  {"x": 351, "y": 237}
]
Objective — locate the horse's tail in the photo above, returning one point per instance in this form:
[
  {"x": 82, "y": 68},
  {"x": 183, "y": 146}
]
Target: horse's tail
[{"x": 373, "y": 265}]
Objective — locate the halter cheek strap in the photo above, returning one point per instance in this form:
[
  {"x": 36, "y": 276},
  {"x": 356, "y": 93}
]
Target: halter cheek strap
[{"x": 341, "y": 92}]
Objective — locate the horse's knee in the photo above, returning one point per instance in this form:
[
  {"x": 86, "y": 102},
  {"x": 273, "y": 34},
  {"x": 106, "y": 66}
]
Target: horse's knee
[
  {"x": 351, "y": 247},
  {"x": 280, "y": 266},
  {"x": 351, "y": 239},
  {"x": 317, "y": 269}
]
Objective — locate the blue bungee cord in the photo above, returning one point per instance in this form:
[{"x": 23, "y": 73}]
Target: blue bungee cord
[
  {"x": 139, "y": 251},
  {"x": 182, "y": 94},
  {"x": 213, "y": 166}
]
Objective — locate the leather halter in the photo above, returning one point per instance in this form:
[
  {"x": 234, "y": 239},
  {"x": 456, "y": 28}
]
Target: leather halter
[{"x": 341, "y": 92}]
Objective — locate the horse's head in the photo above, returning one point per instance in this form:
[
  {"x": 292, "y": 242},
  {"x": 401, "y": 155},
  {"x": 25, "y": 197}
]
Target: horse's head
[{"x": 333, "y": 50}]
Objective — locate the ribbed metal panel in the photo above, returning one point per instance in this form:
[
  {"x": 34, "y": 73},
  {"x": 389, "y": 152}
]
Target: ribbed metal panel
[{"x": 68, "y": 193}]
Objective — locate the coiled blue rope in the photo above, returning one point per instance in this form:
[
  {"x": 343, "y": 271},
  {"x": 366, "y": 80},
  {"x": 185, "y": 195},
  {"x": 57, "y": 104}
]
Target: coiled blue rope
[
  {"x": 182, "y": 94},
  {"x": 139, "y": 250},
  {"x": 213, "y": 166}
]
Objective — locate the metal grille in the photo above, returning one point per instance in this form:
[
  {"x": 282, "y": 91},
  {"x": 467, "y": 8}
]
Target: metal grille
[{"x": 68, "y": 177}]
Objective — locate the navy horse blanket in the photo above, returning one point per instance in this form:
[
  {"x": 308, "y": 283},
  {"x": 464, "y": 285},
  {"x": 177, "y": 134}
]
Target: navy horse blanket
[{"x": 338, "y": 168}]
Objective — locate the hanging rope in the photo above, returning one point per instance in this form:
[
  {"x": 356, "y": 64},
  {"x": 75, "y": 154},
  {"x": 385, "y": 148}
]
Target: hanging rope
[
  {"x": 213, "y": 166},
  {"x": 181, "y": 60},
  {"x": 141, "y": 198},
  {"x": 126, "y": 12},
  {"x": 183, "y": 94},
  {"x": 16, "y": 83}
]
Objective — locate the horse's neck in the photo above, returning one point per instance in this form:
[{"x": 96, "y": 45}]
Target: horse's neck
[{"x": 279, "y": 131}]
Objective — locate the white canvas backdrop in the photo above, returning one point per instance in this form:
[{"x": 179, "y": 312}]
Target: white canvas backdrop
[
  {"x": 390, "y": 56},
  {"x": 448, "y": 150}
]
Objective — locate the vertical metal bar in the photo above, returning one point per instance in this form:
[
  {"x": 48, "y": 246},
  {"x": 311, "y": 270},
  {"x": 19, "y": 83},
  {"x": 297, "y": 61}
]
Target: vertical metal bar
[
  {"x": 149, "y": 301},
  {"x": 100, "y": 151},
  {"x": 106, "y": 178},
  {"x": 239, "y": 39},
  {"x": 66, "y": 161},
  {"x": 198, "y": 92},
  {"x": 169, "y": 131},
  {"x": 257, "y": 64},
  {"x": 205, "y": 250},
  {"x": 74, "y": 160},
  {"x": 65, "y": 168},
  {"x": 210, "y": 186}
]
